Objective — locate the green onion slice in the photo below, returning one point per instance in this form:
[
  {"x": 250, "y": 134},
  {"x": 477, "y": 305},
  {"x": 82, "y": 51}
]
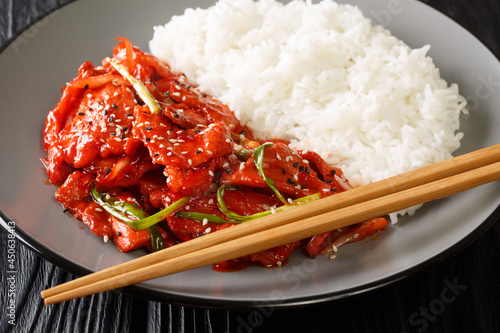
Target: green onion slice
[
  {"x": 141, "y": 90},
  {"x": 243, "y": 218},
  {"x": 118, "y": 209},
  {"x": 121, "y": 209},
  {"x": 203, "y": 216},
  {"x": 156, "y": 238},
  {"x": 222, "y": 205}
]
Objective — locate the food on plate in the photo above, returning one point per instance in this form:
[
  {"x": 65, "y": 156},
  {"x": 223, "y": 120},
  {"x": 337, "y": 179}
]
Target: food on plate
[
  {"x": 331, "y": 82},
  {"x": 145, "y": 158}
]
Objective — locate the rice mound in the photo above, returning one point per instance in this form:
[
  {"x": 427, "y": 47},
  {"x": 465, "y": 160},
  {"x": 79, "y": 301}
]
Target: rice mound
[{"x": 322, "y": 76}]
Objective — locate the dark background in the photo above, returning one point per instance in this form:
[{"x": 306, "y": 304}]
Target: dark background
[{"x": 458, "y": 293}]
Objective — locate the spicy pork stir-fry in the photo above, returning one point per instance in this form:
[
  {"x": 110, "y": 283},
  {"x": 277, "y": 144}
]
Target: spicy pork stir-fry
[{"x": 145, "y": 159}]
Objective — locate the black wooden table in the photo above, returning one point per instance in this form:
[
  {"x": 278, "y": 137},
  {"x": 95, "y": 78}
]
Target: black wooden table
[{"x": 458, "y": 293}]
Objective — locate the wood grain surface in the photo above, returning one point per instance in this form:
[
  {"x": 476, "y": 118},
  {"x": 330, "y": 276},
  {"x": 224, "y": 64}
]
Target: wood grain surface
[{"x": 460, "y": 293}]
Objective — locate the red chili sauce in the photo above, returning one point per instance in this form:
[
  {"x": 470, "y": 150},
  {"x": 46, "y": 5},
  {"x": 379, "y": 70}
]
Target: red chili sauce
[{"x": 102, "y": 134}]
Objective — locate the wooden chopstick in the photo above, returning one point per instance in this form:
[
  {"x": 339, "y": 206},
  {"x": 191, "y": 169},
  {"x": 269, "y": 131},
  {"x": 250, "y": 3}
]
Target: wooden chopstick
[{"x": 359, "y": 204}]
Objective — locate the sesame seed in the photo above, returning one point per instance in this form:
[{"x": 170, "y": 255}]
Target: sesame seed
[
  {"x": 296, "y": 164},
  {"x": 190, "y": 162},
  {"x": 105, "y": 238},
  {"x": 205, "y": 221},
  {"x": 333, "y": 256},
  {"x": 355, "y": 236},
  {"x": 208, "y": 230},
  {"x": 98, "y": 209}
]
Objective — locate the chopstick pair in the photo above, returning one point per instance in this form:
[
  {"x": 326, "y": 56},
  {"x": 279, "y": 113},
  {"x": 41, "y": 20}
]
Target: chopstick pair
[{"x": 357, "y": 205}]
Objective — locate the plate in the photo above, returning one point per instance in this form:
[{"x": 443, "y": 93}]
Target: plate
[{"x": 36, "y": 64}]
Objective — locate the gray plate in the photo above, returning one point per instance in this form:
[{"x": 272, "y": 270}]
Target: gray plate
[{"x": 36, "y": 64}]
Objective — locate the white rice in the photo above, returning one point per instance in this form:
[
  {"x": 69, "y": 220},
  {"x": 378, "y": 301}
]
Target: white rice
[{"x": 323, "y": 76}]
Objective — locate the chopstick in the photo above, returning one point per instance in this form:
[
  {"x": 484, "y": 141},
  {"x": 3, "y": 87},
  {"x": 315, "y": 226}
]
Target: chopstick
[{"x": 359, "y": 204}]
